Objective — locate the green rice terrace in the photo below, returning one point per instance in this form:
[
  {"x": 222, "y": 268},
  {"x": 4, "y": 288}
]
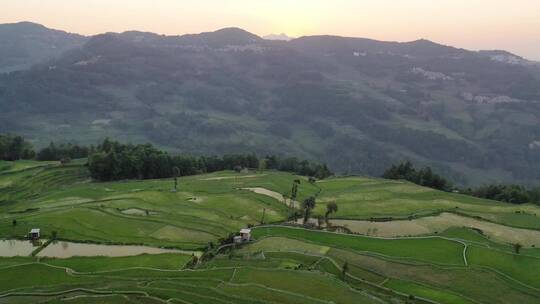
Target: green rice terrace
[{"x": 141, "y": 242}]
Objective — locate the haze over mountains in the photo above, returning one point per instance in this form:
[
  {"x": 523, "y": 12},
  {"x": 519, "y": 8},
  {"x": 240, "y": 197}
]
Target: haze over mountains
[
  {"x": 357, "y": 104},
  {"x": 282, "y": 36}
]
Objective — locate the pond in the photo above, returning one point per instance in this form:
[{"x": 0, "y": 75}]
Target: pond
[
  {"x": 69, "y": 249},
  {"x": 11, "y": 248}
]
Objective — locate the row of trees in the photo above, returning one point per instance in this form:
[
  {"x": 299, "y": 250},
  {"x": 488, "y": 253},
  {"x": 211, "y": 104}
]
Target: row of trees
[
  {"x": 423, "y": 177},
  {"x": 63, "y": 151},
  {"x": 14, "y": 148},
  {"x": 514, "y": 194},
  {"x": 112, "y": 160}
]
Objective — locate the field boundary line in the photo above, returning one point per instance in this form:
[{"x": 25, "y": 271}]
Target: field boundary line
[
  {"x": 297, "y": 271},
  {"x": 377, "y": 285},
  {"x": 90, "y": 296},
  {"x": 18, "y": 265},
  {"x": 87, "y": 290},
  {"x": 364, "y": 236},
  {"x": 72, "y": 271},
  {"x": 281, "y": 291},
  {"x": 509, "y": 277},
  {"x": 215, "y": 289},
  {"x": 337, "y": 280},
  {"x": 465, "y": 254},
  {"x": 368, "y": 237},
  {"x": 232, "y": 276},
  {"x": 401, "y": 260},
  {"x": 192, "y": 293}
]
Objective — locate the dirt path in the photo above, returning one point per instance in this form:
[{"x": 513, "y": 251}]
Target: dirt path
[
  {"x": 440, "y": 223},
  {"x": 266, "y": 192},
  {"x": 231, "y": 177},
  {"x": 272, "y": 194}
]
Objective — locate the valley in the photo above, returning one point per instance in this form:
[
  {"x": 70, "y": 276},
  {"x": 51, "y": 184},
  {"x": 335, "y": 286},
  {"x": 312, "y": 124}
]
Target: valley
[{"x": 472, "y": 116}]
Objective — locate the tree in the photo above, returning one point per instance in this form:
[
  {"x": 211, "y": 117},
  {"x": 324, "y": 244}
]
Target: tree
[
  {"x": 262, "y": 164},
  {"x": 294, "y": 191},
  {"x": 517, "y": 248},
  {"x": 112, "y": 160},
  {"x": 176, "y": 174},
  {"x": 54, "y": 234},
  {"x": 307, "y": 205},
  {"x": 194, "y": 261},
  {"x": 15, "y": 148},
  {"x": 423, "y": 177},
  {"x": 331, "y": 207}
]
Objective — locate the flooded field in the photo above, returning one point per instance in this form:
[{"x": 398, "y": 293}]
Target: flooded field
[
  {"x": 69, "y": 249},
  {"x": 11, "y": 248}
]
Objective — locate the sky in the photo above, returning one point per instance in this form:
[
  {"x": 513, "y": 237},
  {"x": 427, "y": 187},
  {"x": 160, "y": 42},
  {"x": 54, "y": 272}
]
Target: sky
[{"x": 512, "y": 25}]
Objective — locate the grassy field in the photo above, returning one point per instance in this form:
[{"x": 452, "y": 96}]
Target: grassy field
[
  {"x": 446, "y": 264},
  {"x": 444, "y": 284},
  {"x": 432, "y": 249},
  {"x": 206, "y": 207},
  {"x": 363, "y": 198}
]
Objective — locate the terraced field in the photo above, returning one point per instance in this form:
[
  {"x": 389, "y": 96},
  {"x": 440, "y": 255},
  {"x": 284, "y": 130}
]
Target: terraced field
[
  {"x": 363, "y": 198},
  {"x": 63, "y": 199},
  {"x": 449, "y": 263}
]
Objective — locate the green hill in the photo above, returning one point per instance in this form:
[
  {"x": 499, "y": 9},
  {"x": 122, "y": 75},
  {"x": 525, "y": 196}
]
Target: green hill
[{"x": 402, "y": 243}]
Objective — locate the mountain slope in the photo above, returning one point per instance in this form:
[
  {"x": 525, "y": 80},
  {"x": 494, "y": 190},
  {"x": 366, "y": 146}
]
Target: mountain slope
[
  {"x": 357, "y": 104},
  {"x": 24, "y": 44}
]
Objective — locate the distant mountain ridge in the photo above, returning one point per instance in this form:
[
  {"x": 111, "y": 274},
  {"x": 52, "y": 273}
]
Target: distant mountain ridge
[
  {"x": 24, "y": 44},
  {"x": 357, "y": 104},
  {"x": 281, "y": 37}
]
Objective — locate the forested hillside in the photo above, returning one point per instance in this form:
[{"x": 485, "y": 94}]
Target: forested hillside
[{"x": 358, "y": 105}]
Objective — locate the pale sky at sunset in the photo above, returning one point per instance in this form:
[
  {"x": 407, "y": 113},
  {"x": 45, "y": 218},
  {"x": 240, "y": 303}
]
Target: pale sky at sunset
[{"x": 513, "y": 25}]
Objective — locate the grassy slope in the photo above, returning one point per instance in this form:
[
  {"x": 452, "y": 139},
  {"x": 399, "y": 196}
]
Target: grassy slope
[
  {"x": 443, "y": 284},
  {"x": 362, "y": 198},
  {"x": 433, "y": 250},
  {"x": 63, "y": 199}
]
